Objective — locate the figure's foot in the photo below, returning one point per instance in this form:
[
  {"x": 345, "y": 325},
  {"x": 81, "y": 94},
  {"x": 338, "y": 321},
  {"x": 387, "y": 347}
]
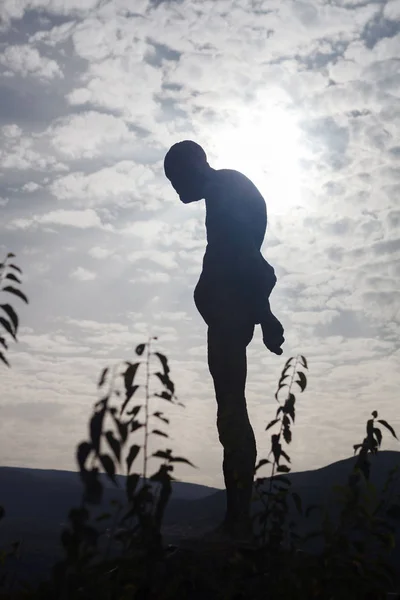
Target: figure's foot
[{"x": 273, "y": 334}]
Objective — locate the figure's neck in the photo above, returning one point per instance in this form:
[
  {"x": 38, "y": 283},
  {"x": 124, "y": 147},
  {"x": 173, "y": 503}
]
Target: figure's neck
[{"x": 208, "y": 179}]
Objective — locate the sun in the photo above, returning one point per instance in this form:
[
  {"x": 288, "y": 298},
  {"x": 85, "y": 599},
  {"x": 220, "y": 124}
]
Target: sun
[{"x": 264, "y": 146}]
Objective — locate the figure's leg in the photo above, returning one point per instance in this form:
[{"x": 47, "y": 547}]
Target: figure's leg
[{"x": 228, "y": 367}]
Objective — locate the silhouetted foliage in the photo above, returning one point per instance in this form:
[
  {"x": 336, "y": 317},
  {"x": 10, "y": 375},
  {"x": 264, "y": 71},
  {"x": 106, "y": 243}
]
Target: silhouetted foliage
[
  {"x": 118, "y": 552},
  {"x": 10, "y": 279},
  {"x": 124, "y": 553}
]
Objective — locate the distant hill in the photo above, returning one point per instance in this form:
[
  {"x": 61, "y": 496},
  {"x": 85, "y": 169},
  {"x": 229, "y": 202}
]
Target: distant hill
[
  {"x": 314, "y": 487},
  {"x": 37, "y": 504}
]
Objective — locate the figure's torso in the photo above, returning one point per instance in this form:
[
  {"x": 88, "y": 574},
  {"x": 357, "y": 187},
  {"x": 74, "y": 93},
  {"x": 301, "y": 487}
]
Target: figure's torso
[
  {"x": 234, "y": 270},
  {"x": 236, "y": 217}
]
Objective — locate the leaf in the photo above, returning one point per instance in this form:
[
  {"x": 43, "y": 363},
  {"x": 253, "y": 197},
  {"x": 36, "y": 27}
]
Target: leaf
[
  {"x": 374, "y": 414},
  {"x": 131, "y": 484},
  {"x": 11, "y": 314},
  {"x": 129, "y": 395},
  {"x": 281, "y": 385},
  {"x": 134, "y": 411},
  {"x": 82, "y": 453},
  {"x": 10, "y": 255},
  {"x": 3, "y": 358},
  {"x": 302, "y": 380},
  {"x": 289, "y": 406},
  {"x": 271, "y": 424},
  {"x": 276, "y": 447},
  {"x": 164, "y": 362},
  {"x": 158, "y": 432},
  {"x": 93, "y": 487},
  {"x": 122, "y": 430},
  {"x": 135, "y": 425},
  {"x": 297, "y": 502},
  {"x": 161, "y": 454},
  {"x": 11, "y": 266},
  {"x": 378, "y": 435},
  {"x": 115, "y": 445},
  {"x": 3, "y": 342},
  {"x": 389, "y": 427},
  {"x": 12, "y": 277},
  {"x": 7, "y": 327},
  {"x": 283, "y": 469},
  {"x": 129, "y": 376},
  {"x": 109, "y": 466},
  {"x": 261, "y": 463},
  {"x": 356, "y": 447},
  {"x": 287, "y": 434},
  {"x": 166, "y": 381},
  {"x": 133, "y": 452},
  {"x": 103, "y": 517},
  {"x": 96, "y": 425},
  {"x": 303, "y": 361},
  {"x": 288, "y": 362},
  {"x": 140, "y": 349},
  {"x": 370, "y": 428},
  {"x": 283, "y": 453},
  {"x": 102, "y": 377},
  {"x": 13, "y": 290},
  {"x": 160, "y": 416},
  {"x": 180, "y": 459},
  {"x": 165, "y": 396}
]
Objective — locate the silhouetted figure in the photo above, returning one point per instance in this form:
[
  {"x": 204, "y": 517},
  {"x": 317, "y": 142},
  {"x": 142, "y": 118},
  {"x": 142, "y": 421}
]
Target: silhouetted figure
[{"x": 232, "y": 296}]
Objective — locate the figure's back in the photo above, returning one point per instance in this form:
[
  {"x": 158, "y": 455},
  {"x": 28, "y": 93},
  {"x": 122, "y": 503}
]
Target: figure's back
[{"x": 236, "y": 214}]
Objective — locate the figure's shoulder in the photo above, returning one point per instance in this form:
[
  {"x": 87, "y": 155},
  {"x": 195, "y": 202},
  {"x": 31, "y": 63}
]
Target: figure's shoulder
[
  {"x": 235, "y": 181},
  {"x": 231, "y": 175}
]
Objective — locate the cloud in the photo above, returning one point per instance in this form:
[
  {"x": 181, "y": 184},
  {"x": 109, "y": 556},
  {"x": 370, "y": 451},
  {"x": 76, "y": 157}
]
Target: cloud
[
  {"x": 50, "y": 343},
  {"x": 309, "y": 93},
  {"x": 31, "y": 186},
  {"x": 82, "y": 219},
  {"x": 151, "y": 277},
  {"x": 10, "y": 9},
  {"x": 102, "y": 131},
  {"x": 81, "y": 274},
  {"x": 31, "y": 412},
  {"x": 26, "y": 60},
  {"x": 391, "y": 10},
  {"x": 120, "y": 185},
  {"x": 165, "y": 259},
  {"x": 19, "y": 152},
  {"x": 100, "y": 253}
]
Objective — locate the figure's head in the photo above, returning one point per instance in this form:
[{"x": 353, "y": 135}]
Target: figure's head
[{"x": 186, "y": 166}]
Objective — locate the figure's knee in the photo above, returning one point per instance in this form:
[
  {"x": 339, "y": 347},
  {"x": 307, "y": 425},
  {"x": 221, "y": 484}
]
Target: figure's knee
[{"x": 234, "y": 428}]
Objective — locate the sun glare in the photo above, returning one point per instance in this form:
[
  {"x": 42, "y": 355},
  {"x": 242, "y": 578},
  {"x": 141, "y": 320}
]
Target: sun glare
[{"x": 266, "y": 148}]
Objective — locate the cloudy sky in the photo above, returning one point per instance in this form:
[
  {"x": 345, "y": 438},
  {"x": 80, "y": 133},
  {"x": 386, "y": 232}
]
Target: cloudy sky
[{"x": 303, "y": 97}]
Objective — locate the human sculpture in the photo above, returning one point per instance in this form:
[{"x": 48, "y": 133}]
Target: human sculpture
[{"x": 232, "y": 296}]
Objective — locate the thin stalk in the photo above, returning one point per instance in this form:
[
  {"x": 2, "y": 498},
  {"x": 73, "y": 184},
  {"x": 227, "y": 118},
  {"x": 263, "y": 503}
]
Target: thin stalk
[
  {"x": 146, "y": 408},
  {"x": 274, "y": 463}
]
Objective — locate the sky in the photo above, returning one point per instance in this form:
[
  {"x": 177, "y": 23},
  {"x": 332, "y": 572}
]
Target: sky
[{"x": 303, "y": 98}]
